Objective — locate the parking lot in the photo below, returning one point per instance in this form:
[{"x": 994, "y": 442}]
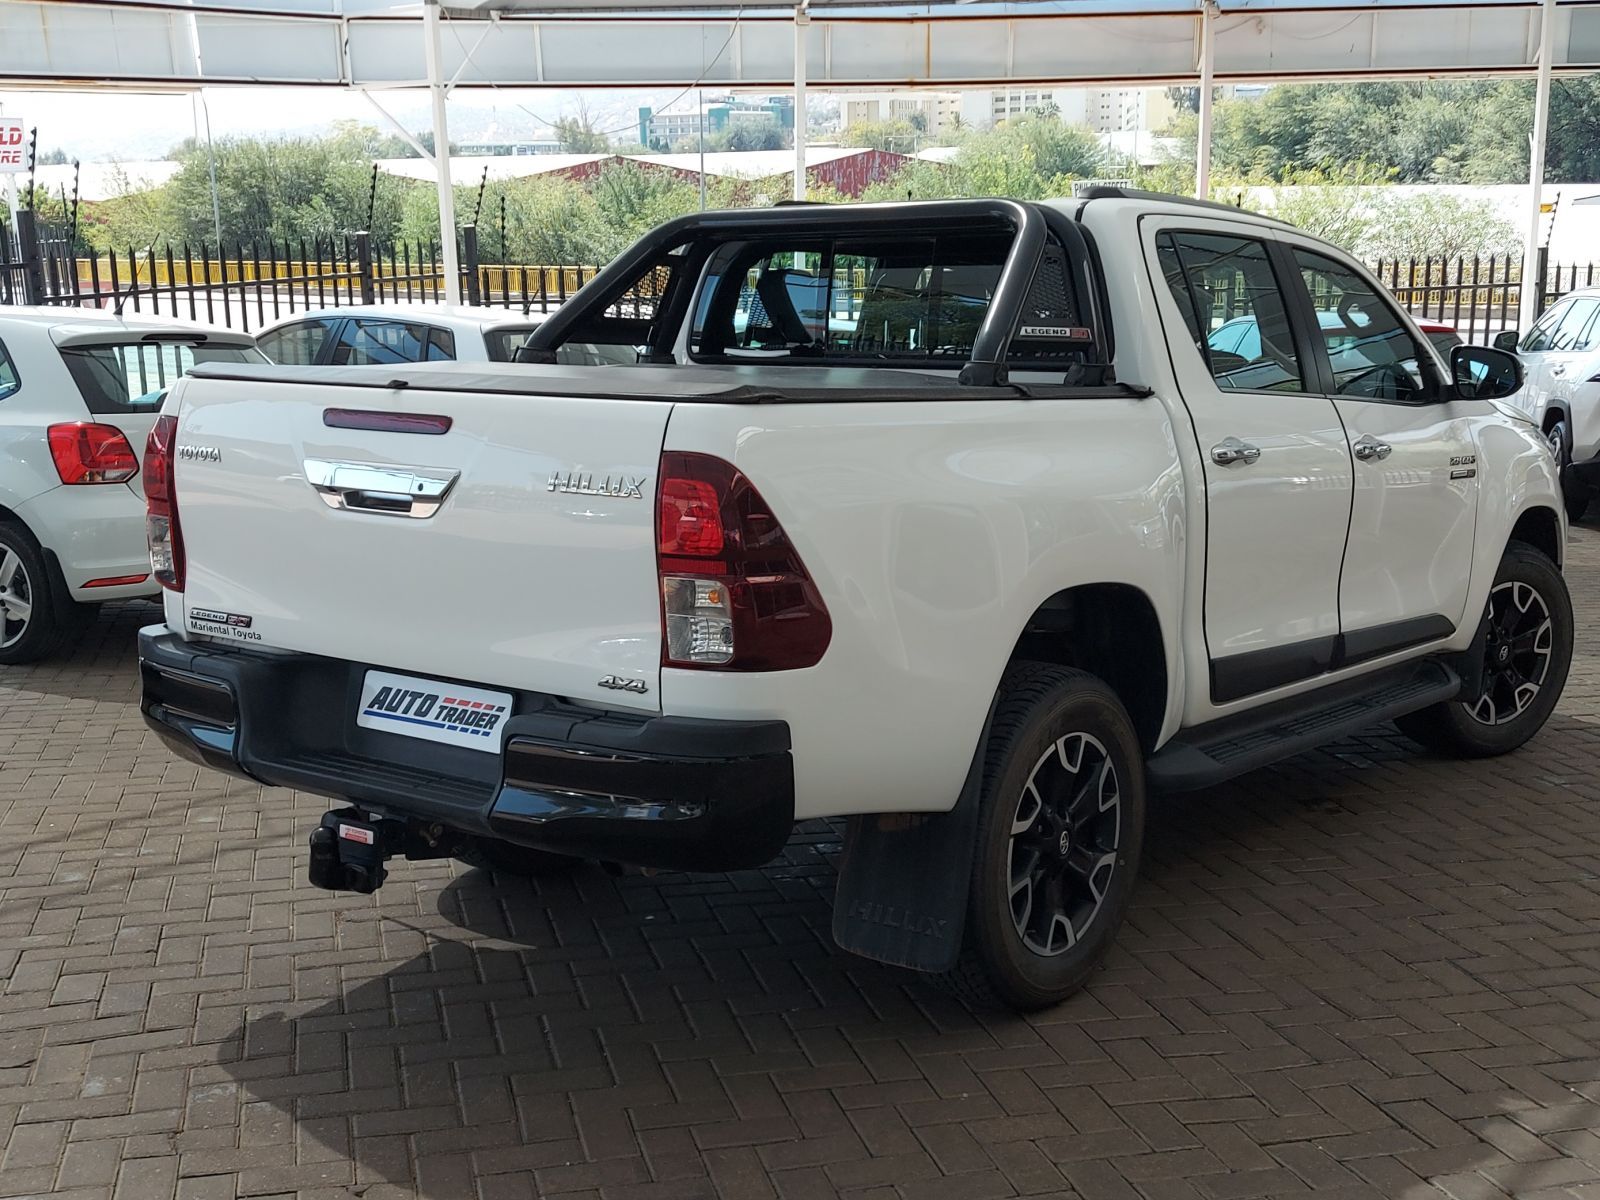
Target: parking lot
[{"x": 1365, "y": 973}]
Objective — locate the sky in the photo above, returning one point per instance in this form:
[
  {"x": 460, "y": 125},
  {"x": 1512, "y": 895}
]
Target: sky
[{"x": 126, "y": 127}]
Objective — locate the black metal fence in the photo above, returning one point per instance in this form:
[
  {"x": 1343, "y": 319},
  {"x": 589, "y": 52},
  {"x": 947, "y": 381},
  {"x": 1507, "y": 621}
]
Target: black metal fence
[{"x": 249, "y": 286}]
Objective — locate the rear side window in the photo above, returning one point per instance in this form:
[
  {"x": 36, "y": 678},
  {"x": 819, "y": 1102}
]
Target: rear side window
[
  {"x": 9, "y": 383},
  {"x": 912, "y": 298},
  {"x": 382, "y": 342},
  {"x": 1576, "y": 328},
  {"x": 133, "y": 376},
  {"x": 295, "y": 345},
  {"x": 1234, "y": 309}
]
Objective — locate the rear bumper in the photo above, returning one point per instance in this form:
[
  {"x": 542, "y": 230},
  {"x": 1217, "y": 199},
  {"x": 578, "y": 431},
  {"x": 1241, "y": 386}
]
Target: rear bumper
[{"x": 666, "y": 792}]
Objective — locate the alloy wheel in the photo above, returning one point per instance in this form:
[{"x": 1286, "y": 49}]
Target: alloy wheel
[
  {"x": 16, "y": 597},
  {"x": 1517, "y": 653},
  {"x": 1065, "y": 833}
]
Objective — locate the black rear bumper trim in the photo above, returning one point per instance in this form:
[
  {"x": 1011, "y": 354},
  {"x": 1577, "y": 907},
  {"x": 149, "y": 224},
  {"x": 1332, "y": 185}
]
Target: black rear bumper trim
[{"x": 669, "y": 792}]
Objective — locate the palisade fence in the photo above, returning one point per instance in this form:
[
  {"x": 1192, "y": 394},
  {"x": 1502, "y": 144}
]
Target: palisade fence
[{"x": 251, "y": 285}]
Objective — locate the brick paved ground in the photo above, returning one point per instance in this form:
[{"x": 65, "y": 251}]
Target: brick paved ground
[{"x": 1364, "y": 974}]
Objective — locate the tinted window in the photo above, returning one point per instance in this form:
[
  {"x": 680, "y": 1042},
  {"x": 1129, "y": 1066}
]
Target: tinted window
[
  {"x": 1572, "y": 332},
  {"x": 9, "y": 382},
  {"x": 503, "y": 344},
  {"x": 295, "y": 345},
  {"x": 1372, "y": 354},
  {"x": 907, "y": 298},
  {"x": 376, "y": 341},
  {"x": 132, "y": 376},
  {"x": 1234, "y": 309},
  {"x": 1444, "y": 342},
  {"x": 1538, "y": 338}
]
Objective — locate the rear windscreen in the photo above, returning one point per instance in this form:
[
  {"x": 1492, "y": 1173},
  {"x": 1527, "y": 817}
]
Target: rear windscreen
[{"x": 133, "y": 376}]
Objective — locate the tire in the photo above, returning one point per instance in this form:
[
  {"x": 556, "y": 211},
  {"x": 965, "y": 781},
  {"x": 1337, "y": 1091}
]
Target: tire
[
  {"x": 508, "y": 858},
  {"x": 1055, "y": 732},
  {"x": 1575, "y": 496},
  {"x": 32, "y": 625},
  {"x": 1529, "y": 645}
]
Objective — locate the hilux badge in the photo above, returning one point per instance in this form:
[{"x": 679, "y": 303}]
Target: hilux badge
[{"x": 581, "y": 483}]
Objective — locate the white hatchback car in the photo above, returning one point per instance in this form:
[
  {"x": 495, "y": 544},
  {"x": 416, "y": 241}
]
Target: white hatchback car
[
  {"x": 389, "y": 334},
  {"x": 1561, "y": 355},
  {"x": 79, "y": 392}
]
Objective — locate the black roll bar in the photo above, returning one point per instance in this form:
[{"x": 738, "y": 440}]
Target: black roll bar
[{"x": 987, "y": 364}]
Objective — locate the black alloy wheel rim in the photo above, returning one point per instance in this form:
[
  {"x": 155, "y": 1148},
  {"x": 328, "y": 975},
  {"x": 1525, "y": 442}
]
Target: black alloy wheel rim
[
  {"x": 1517, "y": 650},
  {"x": 1065, "y": 831}
]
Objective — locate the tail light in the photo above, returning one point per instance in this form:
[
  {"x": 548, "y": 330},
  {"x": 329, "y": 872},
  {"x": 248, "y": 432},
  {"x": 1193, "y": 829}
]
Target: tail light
[
  {"x": 734, "y": 594},
  {"x": 161, "y": 506},
  {"x": 85, "y": 452}
]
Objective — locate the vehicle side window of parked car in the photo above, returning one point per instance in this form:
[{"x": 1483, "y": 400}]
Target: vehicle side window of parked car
[
  {"x": 9, "y": 383},
  {"x": 1234, "y": 308},
  {"x": 1372, "y": 353},
  {"x": 133, "y": 376},
  {"x": 384, "y": 342},
  {"x": 295, "y": 345},
  {"x": 1538, "y": 338},
  {"x": 1574, "y": 331}
]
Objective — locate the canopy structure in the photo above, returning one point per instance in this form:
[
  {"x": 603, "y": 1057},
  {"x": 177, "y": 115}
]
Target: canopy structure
[{"x": 836, "y": 44}]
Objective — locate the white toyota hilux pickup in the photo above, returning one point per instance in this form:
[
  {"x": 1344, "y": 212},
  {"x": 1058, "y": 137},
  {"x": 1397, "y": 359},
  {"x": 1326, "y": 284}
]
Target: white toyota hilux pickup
[{"x": 945, "y": 517}]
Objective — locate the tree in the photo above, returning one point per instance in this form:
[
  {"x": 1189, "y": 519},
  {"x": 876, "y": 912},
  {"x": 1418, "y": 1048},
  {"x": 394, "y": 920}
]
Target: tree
[
  {"x": 896, "y": 135},
  {"x": 753, "y": 135},
  {"x": 578, "y": 135}
]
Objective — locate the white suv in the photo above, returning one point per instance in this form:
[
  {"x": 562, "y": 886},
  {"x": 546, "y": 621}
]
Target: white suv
[
  {"x": 79, "y": 392},
  {"x": 1561, "y": 354}
]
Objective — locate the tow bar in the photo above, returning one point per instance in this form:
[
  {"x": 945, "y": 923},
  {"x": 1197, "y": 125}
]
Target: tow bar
[{"x": 348, "y": 849}]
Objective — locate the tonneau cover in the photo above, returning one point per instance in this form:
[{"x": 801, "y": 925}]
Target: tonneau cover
[{"x": 731, "y": 384}]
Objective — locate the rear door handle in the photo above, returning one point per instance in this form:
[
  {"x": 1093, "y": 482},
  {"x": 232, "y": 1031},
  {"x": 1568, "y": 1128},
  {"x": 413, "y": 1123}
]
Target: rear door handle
[
  {"x": 1369, "y": 448},
  {"x": 1231, "y": 450},
  {"x": 389, "y": 491}
]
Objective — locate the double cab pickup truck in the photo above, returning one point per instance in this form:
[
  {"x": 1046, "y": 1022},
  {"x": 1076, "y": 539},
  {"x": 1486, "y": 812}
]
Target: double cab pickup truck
[{"x": 949, "y": 518}]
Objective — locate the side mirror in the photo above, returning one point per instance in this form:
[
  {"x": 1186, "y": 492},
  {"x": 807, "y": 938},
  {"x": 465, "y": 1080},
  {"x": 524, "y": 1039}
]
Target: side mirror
[
  {"x": 1482, "y": 373},
  {"x": 1507, "y": 340}
]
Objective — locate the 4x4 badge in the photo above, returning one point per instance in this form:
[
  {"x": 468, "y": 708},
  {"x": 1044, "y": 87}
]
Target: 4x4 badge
[{"x": 618, "y": 683}]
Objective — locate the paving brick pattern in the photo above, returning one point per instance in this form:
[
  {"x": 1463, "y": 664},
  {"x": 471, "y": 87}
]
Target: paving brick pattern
[{"x": 1366, "y": 973}]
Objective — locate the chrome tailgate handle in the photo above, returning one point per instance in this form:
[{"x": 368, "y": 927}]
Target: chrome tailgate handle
[{"x": 388, "y": 491}]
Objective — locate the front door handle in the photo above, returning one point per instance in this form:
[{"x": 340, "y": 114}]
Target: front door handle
[
  {"x": 1369, "y": 448},
  {"x": 1231, "y": 450}
]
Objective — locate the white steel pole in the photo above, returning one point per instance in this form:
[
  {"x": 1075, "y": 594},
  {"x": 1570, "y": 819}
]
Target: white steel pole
[
  {"x": 1541, "y": 125},
  {"x": 441, "y": 156},
  {"x": 1202, "y": 154},
  {"x": 802, "y": 23}
]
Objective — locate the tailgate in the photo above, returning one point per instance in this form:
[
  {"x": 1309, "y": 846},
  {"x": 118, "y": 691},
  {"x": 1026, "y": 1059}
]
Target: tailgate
[{"x": 517, "y": 549}]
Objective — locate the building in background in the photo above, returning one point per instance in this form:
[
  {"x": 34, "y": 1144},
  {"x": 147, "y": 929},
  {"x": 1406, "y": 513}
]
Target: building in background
[
  {"x": 662, "y": 127},
  {"x": 931, "y": 113},
  {"x": 509, "y": 149},
  {"x": 1104, "y": 110}
]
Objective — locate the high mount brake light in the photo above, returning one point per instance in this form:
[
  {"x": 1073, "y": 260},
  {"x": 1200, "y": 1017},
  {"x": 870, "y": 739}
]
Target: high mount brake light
[
  {"x": 734, "y": 594},
  {"x": 162, "y": 531}
]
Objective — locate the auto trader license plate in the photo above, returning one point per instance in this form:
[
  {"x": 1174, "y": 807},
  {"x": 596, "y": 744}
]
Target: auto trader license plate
[{"x": 433, "y": 711}]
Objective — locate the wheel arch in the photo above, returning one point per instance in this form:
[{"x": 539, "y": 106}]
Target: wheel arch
[
  {"x": 1540, "y": 527},
  {"x": 1111, "y": 630}
]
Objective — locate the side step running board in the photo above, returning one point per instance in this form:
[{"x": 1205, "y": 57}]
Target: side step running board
[{"x": 1210, "y": 753}]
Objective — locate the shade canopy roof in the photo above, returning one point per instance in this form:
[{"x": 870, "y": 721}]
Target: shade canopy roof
[{"x": 859, "y": 43}]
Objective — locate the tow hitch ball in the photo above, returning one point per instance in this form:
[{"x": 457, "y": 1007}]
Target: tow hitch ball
[{"x": 348, "y": 850}]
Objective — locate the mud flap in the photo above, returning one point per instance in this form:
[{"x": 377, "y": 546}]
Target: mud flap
[{"x": 904, "y": 879}]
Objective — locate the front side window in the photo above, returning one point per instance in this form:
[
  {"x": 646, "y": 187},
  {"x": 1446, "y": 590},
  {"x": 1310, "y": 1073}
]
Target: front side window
[
  {"x": 134, "y": 376},
  {"x": 1574, "y": 330},
  {"x": 1234, "y": 310},
  {"x": 1372, "y": 354},
  {"x": 295, "y": 345},
  {"x": 9, "y": 383},
  {"x": 1539, "y": 337},
  {"x": 911, "y": 298}
]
